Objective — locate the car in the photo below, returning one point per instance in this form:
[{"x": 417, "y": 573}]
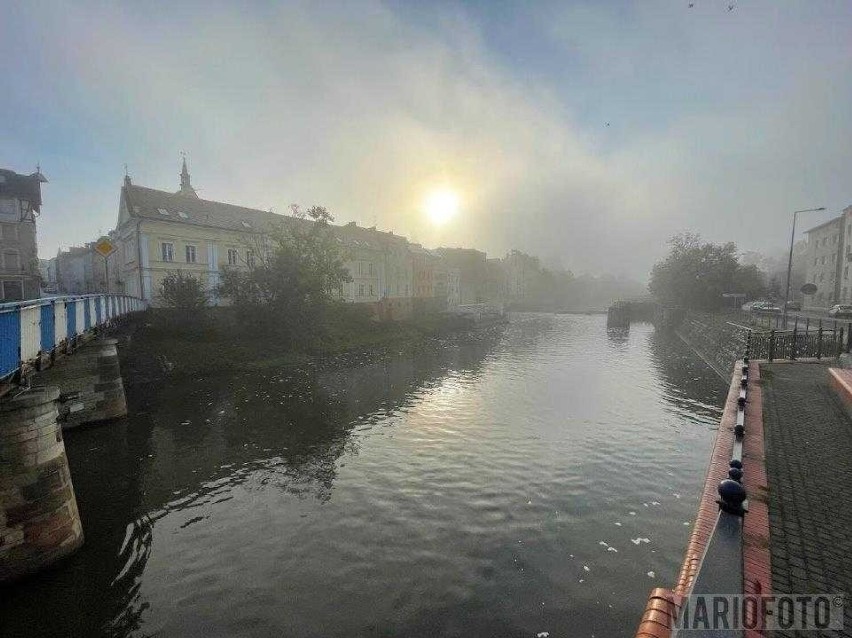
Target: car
[
  {"x": 794, "y": 305},
  {"x": 764, "y": 307},
  {"x": 840, "y": 310}
]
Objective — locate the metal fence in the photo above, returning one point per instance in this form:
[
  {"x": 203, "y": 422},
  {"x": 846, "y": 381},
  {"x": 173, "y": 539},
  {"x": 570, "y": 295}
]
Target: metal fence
[
  {"x": 37, "y": 327},
  {"x": 805, "y": 341}
]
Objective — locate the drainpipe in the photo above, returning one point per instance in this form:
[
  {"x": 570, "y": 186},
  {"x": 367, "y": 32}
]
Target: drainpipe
[{"x": 139, "y": 259}]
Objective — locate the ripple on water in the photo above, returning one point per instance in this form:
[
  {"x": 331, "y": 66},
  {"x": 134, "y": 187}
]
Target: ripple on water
[{"x": 516, "y": 483}]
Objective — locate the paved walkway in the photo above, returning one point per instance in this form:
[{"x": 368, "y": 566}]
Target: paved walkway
[{"x": 809, "y": 467}]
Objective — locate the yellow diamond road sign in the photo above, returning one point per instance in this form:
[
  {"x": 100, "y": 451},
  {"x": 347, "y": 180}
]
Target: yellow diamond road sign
[{"x": 105, "y": 247}]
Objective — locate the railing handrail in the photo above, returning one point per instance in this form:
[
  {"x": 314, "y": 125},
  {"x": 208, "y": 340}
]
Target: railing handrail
[
  {"x": 32, "y": 329},
  {"x": 42, "y": 301}
]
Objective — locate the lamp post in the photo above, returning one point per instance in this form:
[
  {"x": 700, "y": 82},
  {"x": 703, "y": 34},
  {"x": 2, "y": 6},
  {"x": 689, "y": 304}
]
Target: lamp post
[{"x": 790, "y": 258}]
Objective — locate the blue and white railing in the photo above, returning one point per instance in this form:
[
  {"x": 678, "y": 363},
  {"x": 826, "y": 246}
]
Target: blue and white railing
[{"x": 34, "y": 328}]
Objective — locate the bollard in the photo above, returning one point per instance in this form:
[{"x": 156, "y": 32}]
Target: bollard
[{"x": 39, "y": 521}]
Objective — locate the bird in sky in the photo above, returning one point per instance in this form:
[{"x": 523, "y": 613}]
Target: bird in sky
[{"x": 730, "y": 7}]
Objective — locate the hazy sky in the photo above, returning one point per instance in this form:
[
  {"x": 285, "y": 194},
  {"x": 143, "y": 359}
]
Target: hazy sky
[{"x": 586, "y": 133}]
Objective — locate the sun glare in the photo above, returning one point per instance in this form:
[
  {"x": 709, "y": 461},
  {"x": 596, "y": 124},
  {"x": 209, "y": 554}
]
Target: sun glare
[{"x": 441, "y": 206}]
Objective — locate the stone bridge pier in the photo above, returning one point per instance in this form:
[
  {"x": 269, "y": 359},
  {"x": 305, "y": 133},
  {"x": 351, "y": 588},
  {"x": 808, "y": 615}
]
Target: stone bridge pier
[
  {"x": 90, "y": 385},
  {"x": 39, "y": 520}
]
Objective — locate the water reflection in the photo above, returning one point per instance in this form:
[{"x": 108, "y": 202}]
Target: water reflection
[
  {"x": 464, "y": 490},
  {"x": 185, "y": 447}
]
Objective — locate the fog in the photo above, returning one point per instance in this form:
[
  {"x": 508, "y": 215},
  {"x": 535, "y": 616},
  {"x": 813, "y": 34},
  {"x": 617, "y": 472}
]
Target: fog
[{"x": 584, "y": 133}]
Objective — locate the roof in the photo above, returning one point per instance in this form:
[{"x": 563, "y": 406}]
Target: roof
[
  {"x": 834, "y": 220},
  {"x": 26, "y": 187},
  {"x": 149, "y": 203}
]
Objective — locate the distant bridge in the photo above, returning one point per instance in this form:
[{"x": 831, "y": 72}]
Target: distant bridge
[{"x": 35, "y": 331}]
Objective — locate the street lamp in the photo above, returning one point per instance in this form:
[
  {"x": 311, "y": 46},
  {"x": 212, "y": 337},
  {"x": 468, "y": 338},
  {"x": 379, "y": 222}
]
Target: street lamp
[{"x": 790, "y": 258}]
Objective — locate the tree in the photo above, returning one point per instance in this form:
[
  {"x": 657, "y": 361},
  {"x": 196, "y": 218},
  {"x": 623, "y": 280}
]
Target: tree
[
  {"x": 297, "y": 271},
  {"x": 696, "y": 274},
  {"x": 182, "y": 290}
]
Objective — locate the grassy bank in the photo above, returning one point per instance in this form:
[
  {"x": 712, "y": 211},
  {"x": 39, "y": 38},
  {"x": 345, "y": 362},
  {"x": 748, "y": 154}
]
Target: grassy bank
[{"x": 162, "y": 342}]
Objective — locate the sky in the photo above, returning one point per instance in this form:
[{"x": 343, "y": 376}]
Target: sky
[{"x": 587, "y": 133}]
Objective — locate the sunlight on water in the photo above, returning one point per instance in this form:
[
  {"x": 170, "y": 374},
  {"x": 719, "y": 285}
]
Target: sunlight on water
[{"x": 536, "y": 479}]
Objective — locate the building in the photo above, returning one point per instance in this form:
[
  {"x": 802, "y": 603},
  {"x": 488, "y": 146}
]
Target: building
[
  {"x": 20, "y": 205},
  {"x": 159, "y": 232},
  {"x": 445, "y": 283},
  {"x": 47, "y": 270},
  {"x": 423, "y": 263},
  {"x": 523, "y": 272},
  {"x": 472, "y": 271},
  {"x": 495, "y": 284},
  {"x": 379, "y": 263},
  {"x": 828, "y": 259},
  {"x": 75, "y": 271}
]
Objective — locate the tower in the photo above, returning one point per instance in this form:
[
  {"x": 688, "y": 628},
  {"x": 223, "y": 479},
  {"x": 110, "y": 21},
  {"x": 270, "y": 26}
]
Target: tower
[{"x": 185, "y": 186}]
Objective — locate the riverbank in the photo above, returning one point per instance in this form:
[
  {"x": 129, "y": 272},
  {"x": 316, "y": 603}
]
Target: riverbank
[{"x": 160, "y": 343}]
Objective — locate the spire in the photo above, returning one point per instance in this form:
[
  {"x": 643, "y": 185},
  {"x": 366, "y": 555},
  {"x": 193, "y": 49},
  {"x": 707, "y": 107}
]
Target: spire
[
  {"x": 185, "y": 186},
  {"x": 127, "y": 181}
]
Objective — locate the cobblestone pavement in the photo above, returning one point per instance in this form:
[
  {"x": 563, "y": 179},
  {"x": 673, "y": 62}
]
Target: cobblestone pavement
[{"x": 809, "y": 467}]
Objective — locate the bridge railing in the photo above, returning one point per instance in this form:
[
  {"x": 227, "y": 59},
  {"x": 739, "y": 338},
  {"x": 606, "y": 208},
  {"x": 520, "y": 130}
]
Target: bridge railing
[{"x": 37, "y": 327}]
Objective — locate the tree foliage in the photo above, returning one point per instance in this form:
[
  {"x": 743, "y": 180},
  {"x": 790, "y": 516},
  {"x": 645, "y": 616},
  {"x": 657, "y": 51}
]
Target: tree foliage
[
  {"x": 295, "y": 274},
  {"x": 696, "y": 274},
  {"x": 183, "y": 291}
]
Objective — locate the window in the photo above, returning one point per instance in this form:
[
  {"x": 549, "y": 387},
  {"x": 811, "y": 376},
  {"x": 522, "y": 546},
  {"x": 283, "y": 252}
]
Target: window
[
  {"x": 190, "y": 254},
  {"x": 360, "y": 290},
  {"x": 182, "y": 215},
  {"x": 163, "y": 211},
  {"x": 130, "y": 250},
  {"x": 846, "y": 272},
  {"x": 370, "y": 269},
  {"x": 167, "y": 251},
  {"x": 233, "y": 256},
  {"x": 250, "y": 258},
  {"x": 11, "y": 260},
  {"x": 822, "y": 259},
  {"x": 9, "y": 231},
  {"x": 13, "y": 290}
]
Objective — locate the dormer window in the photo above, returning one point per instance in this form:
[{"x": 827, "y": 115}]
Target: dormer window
[
  {"x": 246, "y": 224},
  {"x": 182, "y": 215},
  {"x": 163, "y": 211}
]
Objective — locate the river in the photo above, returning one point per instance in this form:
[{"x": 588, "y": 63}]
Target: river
[{"x": 541, "y": 477}]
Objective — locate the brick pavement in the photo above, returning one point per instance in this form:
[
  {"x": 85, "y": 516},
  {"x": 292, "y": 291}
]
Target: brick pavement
[{"x": 809, "y": 467}]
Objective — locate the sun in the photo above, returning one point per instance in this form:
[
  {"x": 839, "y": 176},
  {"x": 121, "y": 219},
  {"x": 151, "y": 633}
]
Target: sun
[{"x": 441, "y": 205}]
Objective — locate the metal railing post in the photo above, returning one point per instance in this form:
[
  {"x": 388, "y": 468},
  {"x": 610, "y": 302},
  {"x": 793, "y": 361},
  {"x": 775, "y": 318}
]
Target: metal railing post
[
  {"x": 839, "y": 344},
  {"x": 795, "y": 341},
  {"x": 819, "y": 340},
  {"x": 771, "y": 345},
  {"x": 849, "y": 337}
]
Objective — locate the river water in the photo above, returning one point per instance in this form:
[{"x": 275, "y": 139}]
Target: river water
[{"x": 541, "y": 477}]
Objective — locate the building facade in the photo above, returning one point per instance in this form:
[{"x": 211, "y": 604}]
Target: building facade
[
  {"x": 20, "y": 205},
  {"x": 472, "y": 272},
  {"x": 159, "y": 232},
  {"x": 829, "y": 259}
]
